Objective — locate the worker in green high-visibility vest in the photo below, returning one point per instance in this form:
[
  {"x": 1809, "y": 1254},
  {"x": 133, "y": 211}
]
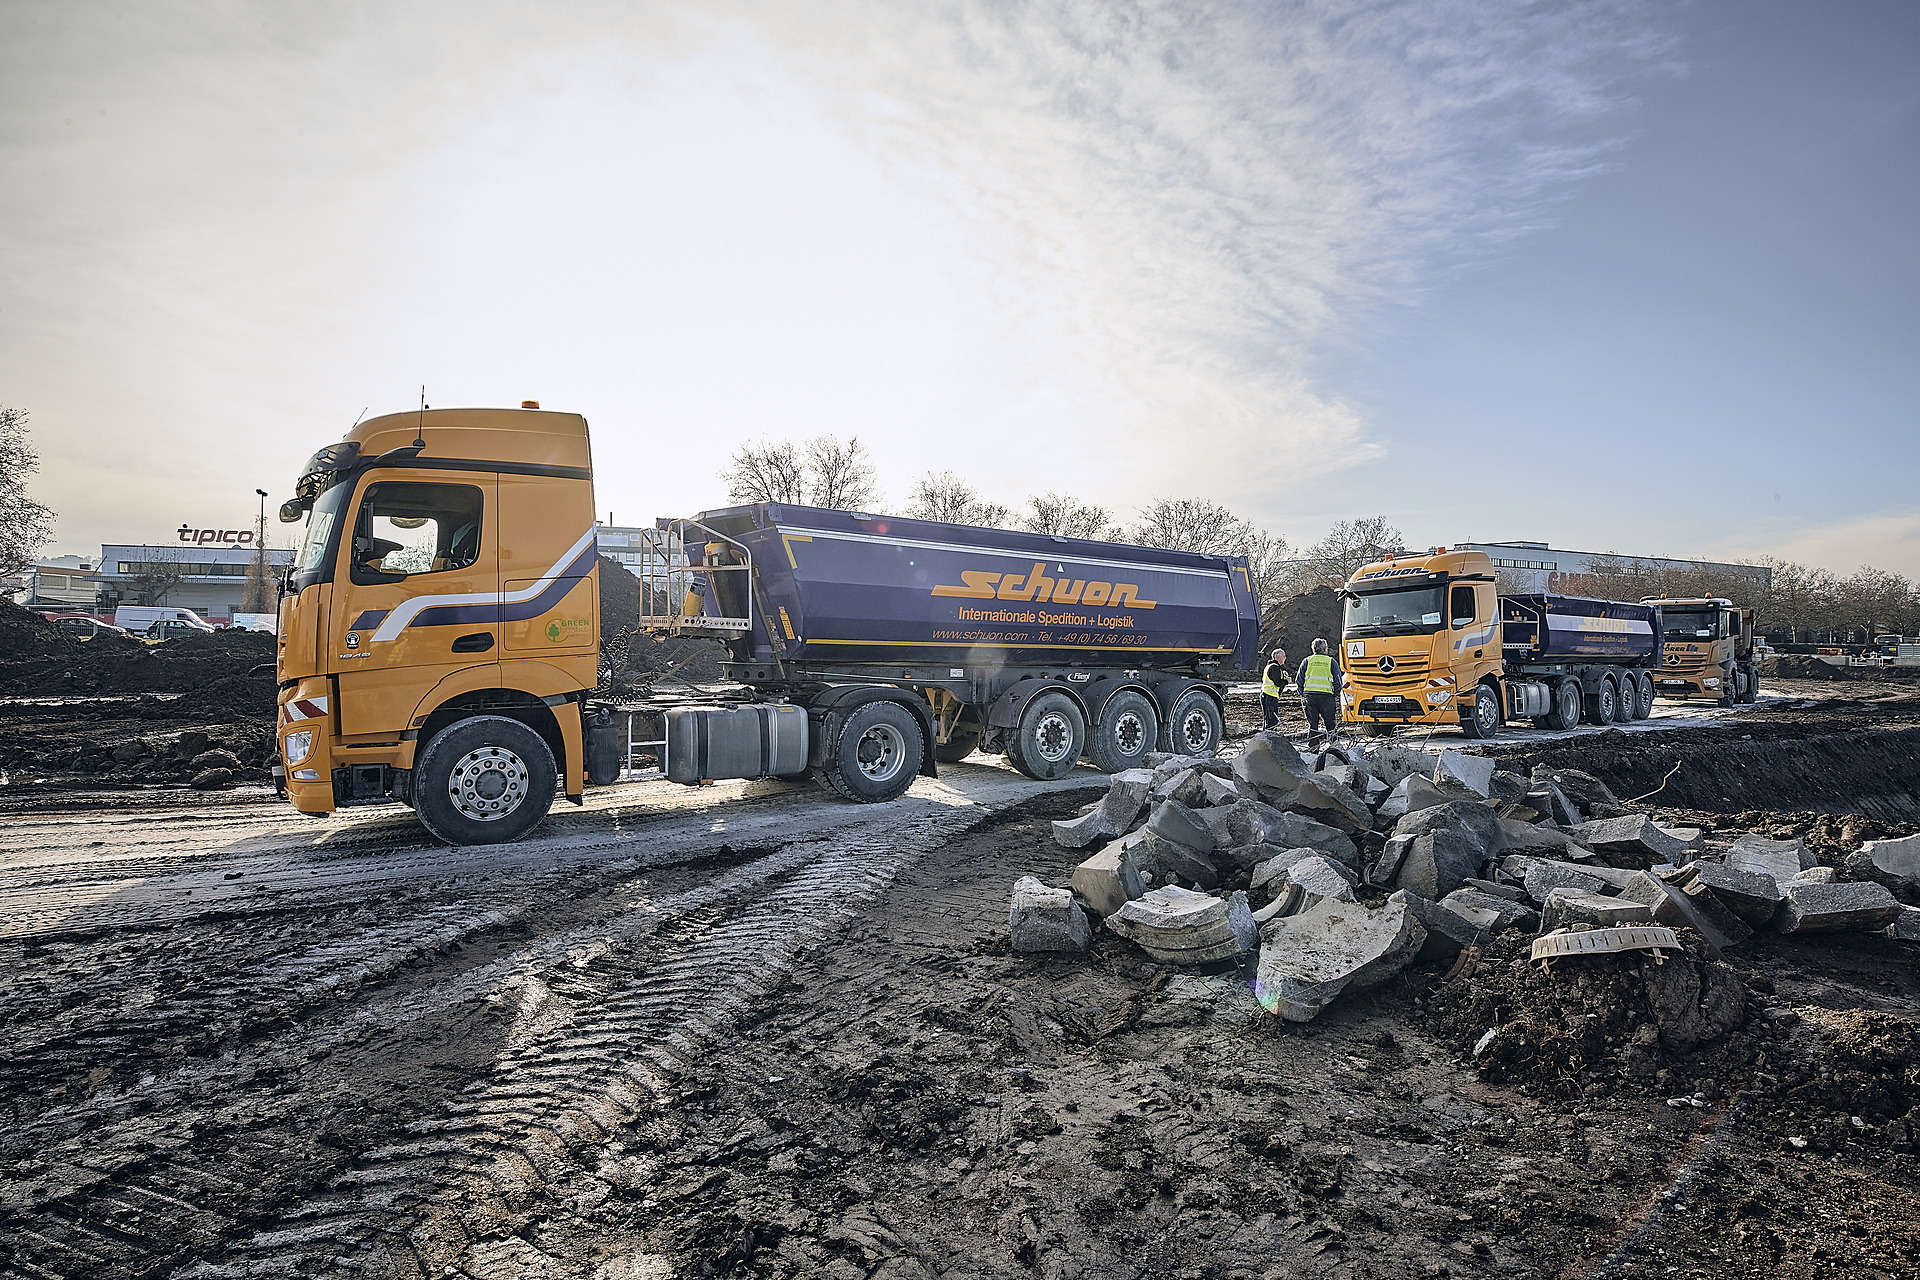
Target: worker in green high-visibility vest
[{"x": 1320, "y": 683}]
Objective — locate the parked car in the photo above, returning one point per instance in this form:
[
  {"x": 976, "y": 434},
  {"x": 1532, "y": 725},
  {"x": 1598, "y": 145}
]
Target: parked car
[
  {"x": 167, "y": 628},
  {"x": 78, "y": 624}
]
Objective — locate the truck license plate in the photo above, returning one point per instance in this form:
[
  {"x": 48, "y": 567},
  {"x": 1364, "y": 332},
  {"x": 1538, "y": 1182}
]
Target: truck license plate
[{"x": 1389, "y": 699}]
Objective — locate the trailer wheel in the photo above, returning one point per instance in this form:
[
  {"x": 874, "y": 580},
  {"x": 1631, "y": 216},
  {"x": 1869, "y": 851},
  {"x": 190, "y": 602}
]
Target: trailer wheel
[
  {"x": 1600, "y": 701},
  {"x": 1484, "y": 720},
  {"x": 876, "y": 755},
  {"x": 1566, "y": 705},
  {"x": 483, "y": 780},
  {"x": 1642, "y": 695},
  {"x": 1624, "y": 696},
  {"x": 1194, "y": 727},
  {"x": 960, "y": 744},
  {"x": 1127, "y": 729},
  {"x": 1050, "y": 738}
]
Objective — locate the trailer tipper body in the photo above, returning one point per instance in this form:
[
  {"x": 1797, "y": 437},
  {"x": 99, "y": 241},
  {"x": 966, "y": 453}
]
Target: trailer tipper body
[
  {"x": 440, "y": 637},
  {"x": 1428, "y": 640}
]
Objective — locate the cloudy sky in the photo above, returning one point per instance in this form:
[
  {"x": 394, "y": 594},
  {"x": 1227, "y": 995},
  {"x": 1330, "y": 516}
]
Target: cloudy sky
[{"x": 1616, "y": 276}]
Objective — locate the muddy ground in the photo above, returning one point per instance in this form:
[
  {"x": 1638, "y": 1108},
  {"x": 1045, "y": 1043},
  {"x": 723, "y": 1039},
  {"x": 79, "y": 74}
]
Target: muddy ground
[{"x": 752, "y": 1031}]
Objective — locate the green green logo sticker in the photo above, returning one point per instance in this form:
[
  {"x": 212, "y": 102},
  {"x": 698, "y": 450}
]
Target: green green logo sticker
[
  {"x": 553, "y": 632},
  {"x": 559, "y": 629}
]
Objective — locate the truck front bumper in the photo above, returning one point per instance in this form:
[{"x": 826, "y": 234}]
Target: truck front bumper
[{"x": 305, "y": 742}]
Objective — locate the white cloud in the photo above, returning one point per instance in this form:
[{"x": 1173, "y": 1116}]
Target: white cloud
[
  {"x": 1055, "y": 245},
  {"x": 1888, "y": 540}
]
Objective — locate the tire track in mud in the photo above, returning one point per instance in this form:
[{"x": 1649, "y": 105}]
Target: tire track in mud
[
  {"x": 152, "y": 1173},
  {"x": 540, "y": 1126}
]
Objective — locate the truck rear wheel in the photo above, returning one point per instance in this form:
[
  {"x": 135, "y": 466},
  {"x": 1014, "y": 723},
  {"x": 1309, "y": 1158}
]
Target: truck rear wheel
[
  {"x": 1051, "y": 735},
  {"x": 1195, "y": 727},
  {"x": 1566, "y": 705},
  {"x": 876, "y": 755},
  {"x": 1126, "y": 729},
  {"x": 1600, "y": 701},
  {"x": 1730, "y": 686},
  {"x": 1752, "y": 693},
  {"x": 1483, "y": 721},
  {"x": 1624, "y": 696},
  {"x": 1642, "y": 694},
  {"x": 484, "y": 780}
]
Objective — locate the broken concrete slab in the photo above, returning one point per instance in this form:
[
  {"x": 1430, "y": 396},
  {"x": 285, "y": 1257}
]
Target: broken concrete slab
[
  {"x": 1172, "y": 820},
  {"x": 1126, "y": 796},
  {"x": 1394, "y": 762},
  {"x": 1309, "y": 959},
  {"x": 1505, "y": 912},
  {"x": 1552, "y": 801},
  {"x": 1046, "y": 919},
  {"x": 1516, "y": 865},
  {"x": 1893, "y": 863},
  {"x": 1273, "y": 870},
  {"x": 1252, "y": 823},
  {"x": 1687, "y": 901},
  {"x": 1815, "y": 875},
  {"x": 1781, "y": 859},
  {"x": 1439, "y": 862},
  {"x": 1536, "y": 838},
  {"x": 1603, "y": 911},
  {"x": 1476, "y": 821},
  {"x": 1269, "y": 761},
  {"x": 1410, "y": 794},
  {"x": 1321, "y": 876},
  {"x": 1089, "y": 828},
  {"x": 1692, "y": 842},
  {"x": 1587, "y": 792},
  {"x": 1543, "y": 878},
  {"x": 1322, "y": 797},
  {"x": 1636, "y": 838},
  {"x": 1109, "y": 879},
  {"x": 1473, "y": 773},
  {"x": 1829, "y": 908},
  {"x": 1393, "y": 855},
  {"x": 1513, "y": 892},
  {"x": 1508, "y": 788},
  {"x": 1176, "y": 926},
  {"x": 1182, "y": 783},
  {"x": 1448, "y": 932},
  {"x": 1906, "y": 925},
  {"x": 1216, "y": 791},
  {"x": 1751, "y": 896},
  {"x": 1173, "y": 861}
]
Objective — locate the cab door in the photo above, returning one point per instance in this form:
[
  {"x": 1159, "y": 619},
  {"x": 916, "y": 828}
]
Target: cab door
[
  {"x": 549, "y": 591},
  {"x": 415, "y": 593}
]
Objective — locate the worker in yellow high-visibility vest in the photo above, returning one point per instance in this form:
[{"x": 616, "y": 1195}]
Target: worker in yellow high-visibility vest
[
  {"x": 1320, "y": 683},
  {"x": 1273, "y": 679}
]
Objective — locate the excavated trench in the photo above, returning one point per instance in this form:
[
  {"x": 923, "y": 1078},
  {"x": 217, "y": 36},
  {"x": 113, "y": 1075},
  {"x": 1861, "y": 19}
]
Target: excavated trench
[{"x": 1875, "y": 772}]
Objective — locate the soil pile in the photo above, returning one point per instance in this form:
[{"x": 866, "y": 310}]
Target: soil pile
[
  {"x": 25, "y": 634},
  {"x": 109, "y": 664},
  {"x": 1295, "y": 623},
  {"x": 1800, "y": 666},
  {"x": 628, "y": 656}
]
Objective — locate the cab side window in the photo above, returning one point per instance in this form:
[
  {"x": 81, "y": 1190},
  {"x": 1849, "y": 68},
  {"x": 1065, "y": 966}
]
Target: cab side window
[
  {"x": 1462, "y": 606},
  {"x": 413, "y": 527}
]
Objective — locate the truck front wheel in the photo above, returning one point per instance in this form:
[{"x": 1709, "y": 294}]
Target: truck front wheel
[
  {"x": 1051, "y": 735},
  {"x": 1125, "y": 731},
  {"x": 485, "y": 780},
  {"x": 1483, "y": 721},
  {"x": 876, "y": 754}
]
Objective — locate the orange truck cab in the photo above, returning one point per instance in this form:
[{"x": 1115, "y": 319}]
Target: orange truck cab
[
  {"x": 438, "y": 630},
  {"x": 1708, "y": 651}
]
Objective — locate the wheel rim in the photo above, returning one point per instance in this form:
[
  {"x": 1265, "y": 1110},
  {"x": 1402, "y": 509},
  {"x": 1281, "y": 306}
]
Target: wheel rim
[
  {"x": 1487, "y": 713},
  {"x": 1053, "y": 737},
  {"x": 1195, "y": 730},
  {"x": 1130, "y": 733},
  {"x": 880, "y": 753},
  {"x": 1606, "y": 703},
  {"x": 487, "y": 784}
]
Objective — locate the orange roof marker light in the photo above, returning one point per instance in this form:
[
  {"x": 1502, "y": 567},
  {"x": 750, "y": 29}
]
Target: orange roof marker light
[{"x": 529, "y": 404}]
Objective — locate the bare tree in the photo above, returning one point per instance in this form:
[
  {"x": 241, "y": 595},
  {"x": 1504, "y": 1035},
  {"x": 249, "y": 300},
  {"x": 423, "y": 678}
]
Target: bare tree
[
  {"x": 941, "y": 495},
  {"x": 157, "y": 575},
  {"x": 766, "y": 472},
  {"x": 25, "y": 525},
  {"x": 1068, "y": 517},
  {"x": 258, "y": 596},
  {"x": 1190, "y": 524},
  {"x": 839, "y": 474},
  {"x": 1350, "y": 544}
]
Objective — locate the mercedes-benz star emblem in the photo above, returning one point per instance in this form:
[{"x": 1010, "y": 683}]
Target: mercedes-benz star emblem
[{"x": 1386, "y": 664}]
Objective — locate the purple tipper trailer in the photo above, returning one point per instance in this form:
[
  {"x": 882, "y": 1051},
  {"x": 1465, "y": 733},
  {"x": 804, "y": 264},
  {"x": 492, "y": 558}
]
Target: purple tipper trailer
[{"x": 872, "y": 648}]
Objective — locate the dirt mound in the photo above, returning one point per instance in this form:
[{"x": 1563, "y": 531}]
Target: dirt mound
[
  {"x": 1295, "y": 623},
  {"x": 230, "y": 700},
  {"x": 1588, "y": 1025},
  {"x": 111, "y": 664},
  {"x": 1800, "y": 666},
  {"x": 25, "y": 634},
  {"x": 627, "y": 655}
]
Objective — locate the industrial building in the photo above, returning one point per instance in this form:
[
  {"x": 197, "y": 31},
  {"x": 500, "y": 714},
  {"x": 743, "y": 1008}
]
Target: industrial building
[{"x": 1534, "y": 566}]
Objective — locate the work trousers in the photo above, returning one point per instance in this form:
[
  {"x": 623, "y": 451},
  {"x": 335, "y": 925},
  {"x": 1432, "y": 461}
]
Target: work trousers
[
  {"x": 1322, "y": 709},
  {"x": 1269, "y": 711}
]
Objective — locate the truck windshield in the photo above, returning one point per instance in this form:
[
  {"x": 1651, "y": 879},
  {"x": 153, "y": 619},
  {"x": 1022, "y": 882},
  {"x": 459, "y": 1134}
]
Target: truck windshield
[
  {"x": 1403, "y": 612},
  {"x": 1691, "y": 624},
  {"x": 320, "y": 523}
]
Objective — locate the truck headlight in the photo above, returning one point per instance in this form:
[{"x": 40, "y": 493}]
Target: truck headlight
[
  {"x": 1712, "y": 682},
  {"x": 298, "y": 745}
]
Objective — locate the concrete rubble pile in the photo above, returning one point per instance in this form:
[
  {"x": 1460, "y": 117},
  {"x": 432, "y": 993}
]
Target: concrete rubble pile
[{"x": 1345, "y": 867}]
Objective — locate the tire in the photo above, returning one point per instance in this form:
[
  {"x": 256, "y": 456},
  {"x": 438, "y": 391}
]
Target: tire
[
  {"x": 1625, "y": 694},
  {"x": 1376, "y": 729},
  {"x": 960, "y": 744},
  {"x": 1642, "y": 695},
  {"x": 1566, "y": 705},
  {"x": 1484, "y": 720},
  {"x": 1051, "y": 736},
  {"x": 1600, "y": 701},
  {"x": 1126, "y": 729},
  {"x": 1730, "y": 687},
  {"x": 876, "y": 754},
  {"x": 484, "y": 780},
  {"x": 1753, "y": 685},
  {"x": 1194, "y": 728}
]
